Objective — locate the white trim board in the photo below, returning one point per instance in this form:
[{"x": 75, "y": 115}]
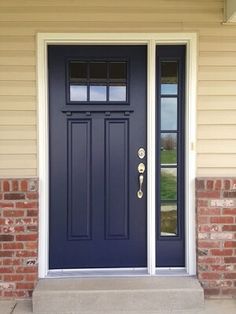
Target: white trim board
[{"x": 151, "y": 40}]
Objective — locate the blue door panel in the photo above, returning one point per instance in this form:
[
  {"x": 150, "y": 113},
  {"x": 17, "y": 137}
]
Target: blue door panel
[
  {"x": 79, "y": 179},
  {"x": 117, "y": 179},
  {"x": 96, "y": 219}
]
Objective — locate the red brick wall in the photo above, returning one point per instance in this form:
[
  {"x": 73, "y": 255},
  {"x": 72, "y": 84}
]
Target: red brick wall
[
  {"x": 216, "y": 236},
  {"x": 18, "y": 237}
]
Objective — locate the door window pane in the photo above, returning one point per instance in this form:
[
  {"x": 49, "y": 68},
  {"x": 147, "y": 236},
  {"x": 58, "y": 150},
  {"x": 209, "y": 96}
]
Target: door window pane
[
  {"x": 78, "y": 93},
  {"x": 169, "y": 78},
  {"x": 169, "y": 219},
  {"x": 169, "y": 89},
  {"x": 169, "y": 113},
  {"x": 104, "y": 80},
  {"x": 78, "y": 71},
  {"x": 117, "y": 93},
  {"x": 168, "y": 148},
  {"x": 98, "y": 71},
  {"x": 168, "y": 183},
  {"x": 117, "y": 71},
  {"x": 98, "y": 93}
]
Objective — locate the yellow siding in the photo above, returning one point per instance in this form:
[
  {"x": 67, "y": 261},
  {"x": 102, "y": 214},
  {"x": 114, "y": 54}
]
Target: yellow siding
[
  {"x": 15, "y": 147},
  {"x": 19, "y": 160},
  {"x": 216, "y": 131},
  {"x": 215, "y": 146},
  {"x": 16, "y": 58},
  {"x": 20, "y": 133},
  {"x": 12, "y": 118},
  {"x": 214, "y": 102},
  {"x": 17, "y": 73},
  {"x": 221, "y": 73},
  {"x": 20, "y": 20}
]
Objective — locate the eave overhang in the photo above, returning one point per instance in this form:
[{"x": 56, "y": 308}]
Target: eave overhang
[{"x": 230, "y": 11}]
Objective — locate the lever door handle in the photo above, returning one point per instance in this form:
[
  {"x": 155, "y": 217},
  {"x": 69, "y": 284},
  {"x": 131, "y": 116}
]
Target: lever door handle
[{"x": 140, "y": 192}]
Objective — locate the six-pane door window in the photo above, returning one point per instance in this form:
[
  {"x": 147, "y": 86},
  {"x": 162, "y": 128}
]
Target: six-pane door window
[{"x": 97, "y": 81}]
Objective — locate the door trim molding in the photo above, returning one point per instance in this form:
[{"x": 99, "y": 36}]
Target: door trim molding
[{"x": 151, "y": 40}]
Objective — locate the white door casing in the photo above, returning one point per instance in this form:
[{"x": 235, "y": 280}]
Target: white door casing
[{"x": 151, "y": 41}]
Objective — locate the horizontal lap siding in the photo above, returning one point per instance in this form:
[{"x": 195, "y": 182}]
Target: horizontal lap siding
[
  {"x": 20, "y": 20},
  {"x": 216, "y": 114}
]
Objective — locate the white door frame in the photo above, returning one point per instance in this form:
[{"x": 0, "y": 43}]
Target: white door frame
[{"x": 150, "y": 40}]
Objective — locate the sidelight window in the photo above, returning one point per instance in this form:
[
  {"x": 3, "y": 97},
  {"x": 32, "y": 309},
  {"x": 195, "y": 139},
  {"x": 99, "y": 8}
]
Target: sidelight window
[{"x": 169, "y": 147}]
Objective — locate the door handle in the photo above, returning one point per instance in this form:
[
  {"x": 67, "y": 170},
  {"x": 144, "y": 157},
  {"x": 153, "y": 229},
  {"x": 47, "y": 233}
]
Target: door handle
[
  {"x": 141, "y": 170},
  {"x": 140, "y": 192}
]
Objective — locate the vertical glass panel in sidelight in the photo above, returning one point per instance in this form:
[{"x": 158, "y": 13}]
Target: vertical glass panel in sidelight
[
  {"x": 168, "y": 183},
  {"x": 78, "y": 93},
  {"x": 169, "y": 113},
  {"x": 168, "y": 148},
  {"x": 117, "y": 71},
  {"x": 117, "y": 92},
  {"x": 169, "y": 219},
  {"x": 169, "y": 78},
  {"x": 78, "y": 71},
  {"x": 98, "y": 92},
  {"x": 98, "y": 71}
]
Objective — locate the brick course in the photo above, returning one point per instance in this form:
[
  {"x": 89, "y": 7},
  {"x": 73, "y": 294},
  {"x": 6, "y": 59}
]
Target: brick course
[
  {"x": 216, "y": 236},
  {"x": 18, "y": 237}
]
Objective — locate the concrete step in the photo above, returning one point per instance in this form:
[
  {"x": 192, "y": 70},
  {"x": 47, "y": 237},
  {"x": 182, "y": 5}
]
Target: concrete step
[{"x": 126, "y": 295}]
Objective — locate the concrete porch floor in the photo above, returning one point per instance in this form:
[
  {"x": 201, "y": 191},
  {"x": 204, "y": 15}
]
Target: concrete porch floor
[{"x": 211, "y": 307}]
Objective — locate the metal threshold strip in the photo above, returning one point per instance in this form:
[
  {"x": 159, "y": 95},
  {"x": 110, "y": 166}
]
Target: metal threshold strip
[{"x": 115, "y": 272}]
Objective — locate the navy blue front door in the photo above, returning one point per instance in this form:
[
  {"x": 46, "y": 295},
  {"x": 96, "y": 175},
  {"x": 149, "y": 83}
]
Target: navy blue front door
[{"x": 97, "y": 117}]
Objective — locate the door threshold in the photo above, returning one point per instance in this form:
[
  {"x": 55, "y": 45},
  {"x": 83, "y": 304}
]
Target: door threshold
[
  {"x": 171, "y": 271},
  {"x": 114, "y": 272},
  {"x": 97, "y": 272}
]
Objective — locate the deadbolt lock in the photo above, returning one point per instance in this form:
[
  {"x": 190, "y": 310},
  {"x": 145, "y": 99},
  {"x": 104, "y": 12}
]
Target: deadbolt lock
[
  {"x": 141, "y": 168},
  {"x": 141, "y": 153}
]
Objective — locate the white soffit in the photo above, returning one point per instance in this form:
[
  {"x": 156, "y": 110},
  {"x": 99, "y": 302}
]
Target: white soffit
[{"x": 230, "y": 11}]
